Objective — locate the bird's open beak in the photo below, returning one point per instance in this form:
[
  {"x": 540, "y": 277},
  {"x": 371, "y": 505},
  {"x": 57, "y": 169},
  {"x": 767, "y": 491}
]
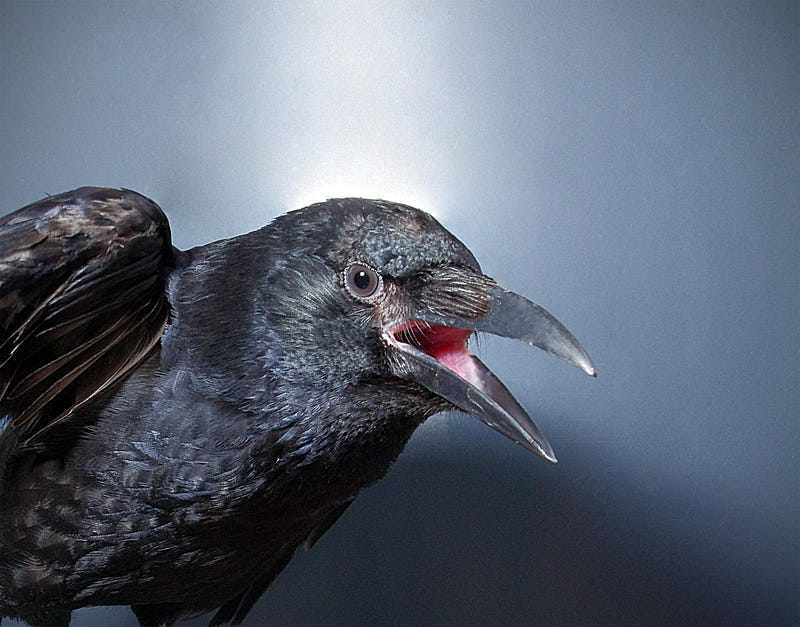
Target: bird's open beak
[{"x": 435, "y": 355}]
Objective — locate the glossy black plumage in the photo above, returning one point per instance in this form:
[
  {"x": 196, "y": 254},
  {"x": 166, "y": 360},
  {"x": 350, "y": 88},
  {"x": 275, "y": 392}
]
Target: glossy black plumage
[{"x": 173, "y": 425}]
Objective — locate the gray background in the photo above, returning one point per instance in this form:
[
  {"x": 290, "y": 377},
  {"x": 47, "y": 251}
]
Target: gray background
[{"x": 633, "y": 167}]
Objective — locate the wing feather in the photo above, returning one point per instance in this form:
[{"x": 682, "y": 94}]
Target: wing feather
[{"x": 82, "y": 302}]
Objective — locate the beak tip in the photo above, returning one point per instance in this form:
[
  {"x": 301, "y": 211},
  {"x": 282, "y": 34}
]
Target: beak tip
[
  {"x": 544, "y": 450},
  {"x": 585, "y": 364}
]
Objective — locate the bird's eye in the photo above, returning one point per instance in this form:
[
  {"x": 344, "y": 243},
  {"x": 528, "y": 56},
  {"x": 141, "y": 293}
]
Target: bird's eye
[{"x": 362, "y": 281}]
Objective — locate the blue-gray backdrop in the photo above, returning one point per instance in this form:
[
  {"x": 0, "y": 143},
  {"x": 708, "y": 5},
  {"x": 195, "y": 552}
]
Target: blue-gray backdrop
[{"x": 632, "y": 166}]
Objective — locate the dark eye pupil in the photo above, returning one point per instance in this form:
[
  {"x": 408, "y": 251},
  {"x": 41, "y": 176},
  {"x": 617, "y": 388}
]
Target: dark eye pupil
[{"x": 361, "y": 280}]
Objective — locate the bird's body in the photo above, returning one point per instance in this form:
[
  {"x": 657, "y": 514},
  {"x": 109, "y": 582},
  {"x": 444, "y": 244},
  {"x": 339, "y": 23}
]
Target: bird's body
[
  {"x": 195, "y": 501},
  {"x": 177, "y": 467}
]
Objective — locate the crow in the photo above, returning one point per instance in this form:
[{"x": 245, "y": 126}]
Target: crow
[{"x": 175, "y": 424}]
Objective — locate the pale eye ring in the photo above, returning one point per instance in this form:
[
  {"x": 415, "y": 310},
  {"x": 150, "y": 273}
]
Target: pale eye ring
[{"x": 362, "y": 281}]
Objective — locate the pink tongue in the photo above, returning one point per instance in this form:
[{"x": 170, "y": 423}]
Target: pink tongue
[
  {"x": 448, "y": 346},
  {"x": 462, "y": 363}
]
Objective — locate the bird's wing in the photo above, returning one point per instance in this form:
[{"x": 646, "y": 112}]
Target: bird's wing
[
  {"x": 234, "y": 611},
  {"x": 82, "y": 301},
  {"x": 326, "y": 523}
]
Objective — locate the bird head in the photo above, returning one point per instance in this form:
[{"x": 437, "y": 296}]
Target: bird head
[{"x": 400, "y": 298}]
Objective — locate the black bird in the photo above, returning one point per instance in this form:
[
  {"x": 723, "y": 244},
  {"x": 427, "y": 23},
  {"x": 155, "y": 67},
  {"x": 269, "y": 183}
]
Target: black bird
[{"x": 174, "y": 425}]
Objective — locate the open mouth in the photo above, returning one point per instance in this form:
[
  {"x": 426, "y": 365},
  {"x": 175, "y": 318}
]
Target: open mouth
[
  {"x": 430, "y": 349},
  {"x": 447, "y": 345},
  {"x": 437, "y": 358}
]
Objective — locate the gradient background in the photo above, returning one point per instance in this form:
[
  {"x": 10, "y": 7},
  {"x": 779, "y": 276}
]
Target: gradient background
[{"x": 633, "y": 167}]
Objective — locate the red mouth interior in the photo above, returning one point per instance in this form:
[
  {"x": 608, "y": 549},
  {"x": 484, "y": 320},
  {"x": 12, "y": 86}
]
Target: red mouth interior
[{"x": 447, "y": 345}]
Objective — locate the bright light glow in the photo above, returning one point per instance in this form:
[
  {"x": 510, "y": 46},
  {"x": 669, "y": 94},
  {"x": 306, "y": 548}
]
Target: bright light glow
[
  {"x": 335, "y": 121},
  {"x": 369, "y": 182}
]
